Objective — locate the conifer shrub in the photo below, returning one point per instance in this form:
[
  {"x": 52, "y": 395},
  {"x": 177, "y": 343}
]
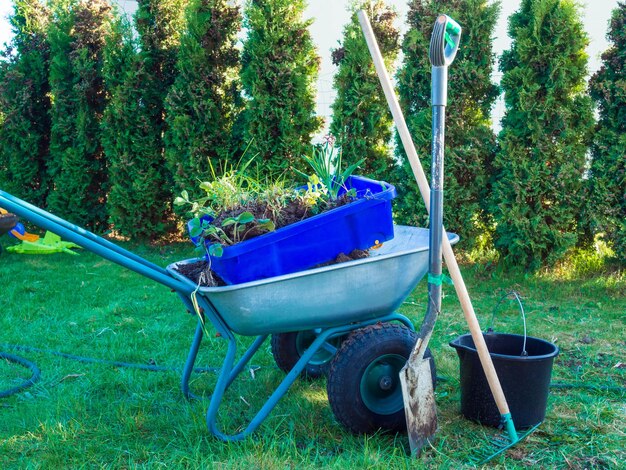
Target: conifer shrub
[
  {"x": 25, "y": 104},
  {"x": 278, "y": 75},
  {"x": 361, "y": 119},
  {"x": 205, "y": 101},
  {"x": 606, "y": 190},
  {"x": 538, "y": 170},
  {"x": 469, "y": 140},
  {"x": 138, "y": 74},
  {"x": 79, "y": 181}
]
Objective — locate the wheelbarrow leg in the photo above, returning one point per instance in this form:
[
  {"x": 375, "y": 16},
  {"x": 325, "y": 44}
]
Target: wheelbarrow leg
[
  {"x": 191, "y": 360},
  {"x": 229, "y": 372},
  {"x": 227, "y": 375},
  {"x": 193, "y": 353},
  {"x": 246, "y": 358}
]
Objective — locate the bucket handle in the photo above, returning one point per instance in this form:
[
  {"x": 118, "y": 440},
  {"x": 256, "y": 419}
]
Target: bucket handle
[{"x": 516, "y": 296}]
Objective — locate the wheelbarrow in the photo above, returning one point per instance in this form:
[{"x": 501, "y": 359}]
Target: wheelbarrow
[{"x": 340, "y": 319}]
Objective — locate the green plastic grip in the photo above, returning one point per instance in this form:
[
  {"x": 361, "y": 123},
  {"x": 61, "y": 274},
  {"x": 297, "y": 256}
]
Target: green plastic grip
[
  {"x": 452, "y": 29},
  {"x": 507, "y": 422}
]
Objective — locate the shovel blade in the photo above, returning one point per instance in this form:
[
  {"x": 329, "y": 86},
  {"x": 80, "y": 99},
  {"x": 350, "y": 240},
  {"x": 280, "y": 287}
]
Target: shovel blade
[{"x": 419, "y": 404}]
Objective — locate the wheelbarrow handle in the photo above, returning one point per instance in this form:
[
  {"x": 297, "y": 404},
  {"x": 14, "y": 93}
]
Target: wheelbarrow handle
[{"x": 90, "y": 241}]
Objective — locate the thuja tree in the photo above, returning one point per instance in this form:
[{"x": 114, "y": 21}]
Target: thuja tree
[
  {"x": 537, "y": 193},
  {"x": 77, "y": 163},
  {"x": 138, "y": 73},
  {"x": 25, "y": 104},
  {"x": 470, "y": 142},
  {"x": 279, "y": 70},
  {"x": 205, "y": 101},
  {"x": 137, "y": 200},
  {"x": 361, "y": 119},
  {"x": 607, "y": 180}
]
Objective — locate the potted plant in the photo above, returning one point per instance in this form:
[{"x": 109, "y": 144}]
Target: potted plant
[{"x": 249, "y": 232}]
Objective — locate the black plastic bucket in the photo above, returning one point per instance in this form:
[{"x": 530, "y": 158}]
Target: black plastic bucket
[{"x": 525, "y": 379}]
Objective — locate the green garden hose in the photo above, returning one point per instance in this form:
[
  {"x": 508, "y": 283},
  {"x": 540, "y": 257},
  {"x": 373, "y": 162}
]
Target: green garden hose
[{"x": 36, "y": 373}]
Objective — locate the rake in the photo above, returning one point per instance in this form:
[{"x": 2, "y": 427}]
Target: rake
[{"x": 451, "y": 32}]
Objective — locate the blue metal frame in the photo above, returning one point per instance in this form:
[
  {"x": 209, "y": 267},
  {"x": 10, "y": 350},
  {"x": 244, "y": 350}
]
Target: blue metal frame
[{"x": 229, "y": 370}]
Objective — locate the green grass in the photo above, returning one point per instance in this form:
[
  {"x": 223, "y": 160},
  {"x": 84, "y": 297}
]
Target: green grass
[{"x": 94, "y": 415}]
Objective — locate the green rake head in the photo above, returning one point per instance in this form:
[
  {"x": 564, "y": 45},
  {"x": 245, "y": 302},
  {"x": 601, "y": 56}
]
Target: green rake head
[{"x": 502, "y": 443}]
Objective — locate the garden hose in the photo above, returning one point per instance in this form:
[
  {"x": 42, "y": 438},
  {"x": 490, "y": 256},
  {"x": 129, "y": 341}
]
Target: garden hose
[{"x": 36, "y": 373}]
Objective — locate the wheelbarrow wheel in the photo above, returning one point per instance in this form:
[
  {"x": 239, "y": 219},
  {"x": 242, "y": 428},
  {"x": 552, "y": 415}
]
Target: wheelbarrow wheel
[
  {"x": 287, "y": 348},
  {"x": 364, "y": 389}
]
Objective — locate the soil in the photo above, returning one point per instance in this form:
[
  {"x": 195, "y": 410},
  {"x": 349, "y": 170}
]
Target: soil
[
  {"x": 293, "y": 212},
  {"x": 199, "y": 272},
  {"x": 342, "y": 257}
]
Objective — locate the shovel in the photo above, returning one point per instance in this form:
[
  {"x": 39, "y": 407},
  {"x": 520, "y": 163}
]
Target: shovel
[
  {"x": 417, "y": 388},
  {"x": 418, "y": 434}
]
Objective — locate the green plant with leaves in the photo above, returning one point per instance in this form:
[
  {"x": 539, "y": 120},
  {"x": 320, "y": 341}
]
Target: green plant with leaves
[
  {"x": 222, "y": 192},
  {"x": 470, "y": 141},
  {"x": 361, "y": 119},
  {"x": 205, "y": 101},
  {"x": 326, "y": 162},
  {"x": 231, "y": 193},
  {"x": 230, "y": 231},
  {"x": 77, "y": 166},
  {"x": 538, "y": 170},
  {"x": 278, "y": 74},
  {"x": 25, "y": 104},
  {"x": 606, "y": 187}
]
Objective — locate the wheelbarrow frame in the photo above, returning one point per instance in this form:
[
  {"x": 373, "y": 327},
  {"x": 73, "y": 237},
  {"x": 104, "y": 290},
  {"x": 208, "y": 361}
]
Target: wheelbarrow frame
[{"x": 229, "y": 370}]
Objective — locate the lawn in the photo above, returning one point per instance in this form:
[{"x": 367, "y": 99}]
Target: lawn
[{"x": 97, "y": 415}]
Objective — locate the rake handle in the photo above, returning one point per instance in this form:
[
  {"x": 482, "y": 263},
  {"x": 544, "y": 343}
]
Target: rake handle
[{"x": 422, "y": 182}]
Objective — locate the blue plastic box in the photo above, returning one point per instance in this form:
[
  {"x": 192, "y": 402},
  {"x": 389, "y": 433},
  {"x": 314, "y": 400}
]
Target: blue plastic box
[{"x": 361, "y": 224}]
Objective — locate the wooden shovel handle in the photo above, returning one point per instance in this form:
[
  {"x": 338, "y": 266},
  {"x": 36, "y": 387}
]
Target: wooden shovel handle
[{"x": 422, "y": 182}]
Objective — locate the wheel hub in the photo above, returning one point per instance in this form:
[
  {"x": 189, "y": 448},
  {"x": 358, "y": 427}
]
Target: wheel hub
[
  {"x": 386, "y": 383},
  {"x": 380, "y": 384},
  {"x": 322, "y": 355}
]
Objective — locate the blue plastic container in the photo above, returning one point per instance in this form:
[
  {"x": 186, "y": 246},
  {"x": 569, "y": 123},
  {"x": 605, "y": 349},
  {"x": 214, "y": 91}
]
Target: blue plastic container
[{"x": 360, "y": 224}]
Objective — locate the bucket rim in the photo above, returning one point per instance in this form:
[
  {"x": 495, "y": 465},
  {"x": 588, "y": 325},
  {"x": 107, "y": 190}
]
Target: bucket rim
[{"x": 455, "y": 343}]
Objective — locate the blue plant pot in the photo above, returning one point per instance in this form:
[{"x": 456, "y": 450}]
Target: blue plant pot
[{"x": 361, "y": 224}]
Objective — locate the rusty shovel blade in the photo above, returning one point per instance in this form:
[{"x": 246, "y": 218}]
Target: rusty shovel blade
[{"x": 419, "y": 404}]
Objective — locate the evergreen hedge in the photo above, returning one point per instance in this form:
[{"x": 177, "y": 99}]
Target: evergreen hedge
[
  {"x": 469, "y": 141},
  {"x": 77, "y": 165},
  {"x": 361, "y": 119},
  {"x": 205, "y": 101},
  {"x": 537, "y": 192},
  {"x": 138, "y": 74},
  {"x": 25, "y": 104},
  {"x": 279, "y": 71},
  {"x": 607, "y": 180}
]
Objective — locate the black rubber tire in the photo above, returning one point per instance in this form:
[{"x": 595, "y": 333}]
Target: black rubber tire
[
  {"x": 288, "y": 347},
  {"x": 385, "y": 346}
]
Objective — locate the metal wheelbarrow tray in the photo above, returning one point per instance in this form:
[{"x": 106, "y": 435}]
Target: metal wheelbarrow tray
[
  {"x": 324, "y": 297},
  {"x": 329, "y": 302}
]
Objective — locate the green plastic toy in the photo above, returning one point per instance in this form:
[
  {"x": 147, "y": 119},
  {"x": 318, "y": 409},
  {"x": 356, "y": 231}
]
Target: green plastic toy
[{"x": 50, "y": 243}]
